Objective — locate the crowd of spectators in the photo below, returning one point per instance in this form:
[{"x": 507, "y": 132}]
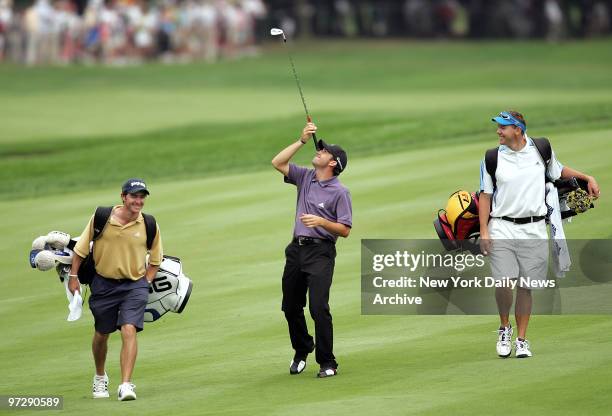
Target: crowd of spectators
[
  {"x": 132, "y": 31},
  {"x": 552, "y": 19},
  {"x": 128, "y": 31}
]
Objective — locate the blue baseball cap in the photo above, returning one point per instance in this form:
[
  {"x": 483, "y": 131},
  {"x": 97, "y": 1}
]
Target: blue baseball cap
[
  {"x": 506, "y": 119},
  {"x": 133, "y": 186}
]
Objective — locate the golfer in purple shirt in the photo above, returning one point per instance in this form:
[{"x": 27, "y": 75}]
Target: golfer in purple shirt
[{"x": 322, "y": 214}]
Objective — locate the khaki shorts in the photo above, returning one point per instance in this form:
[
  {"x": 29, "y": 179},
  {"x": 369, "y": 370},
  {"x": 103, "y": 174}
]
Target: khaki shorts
[{"x": 526, "y": 260}]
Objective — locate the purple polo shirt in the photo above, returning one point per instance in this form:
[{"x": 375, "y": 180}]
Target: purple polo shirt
[{"x": 328, "y": 199}]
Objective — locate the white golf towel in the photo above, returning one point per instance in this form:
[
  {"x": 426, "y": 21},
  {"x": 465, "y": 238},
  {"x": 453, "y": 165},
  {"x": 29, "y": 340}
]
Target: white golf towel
[
  {"x": 75, "y": 303},
  {"x": 560, "y": 254}
]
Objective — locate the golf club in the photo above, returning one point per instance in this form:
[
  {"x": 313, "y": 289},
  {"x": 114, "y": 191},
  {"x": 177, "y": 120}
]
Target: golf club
[{"x": 276, "y": 32}]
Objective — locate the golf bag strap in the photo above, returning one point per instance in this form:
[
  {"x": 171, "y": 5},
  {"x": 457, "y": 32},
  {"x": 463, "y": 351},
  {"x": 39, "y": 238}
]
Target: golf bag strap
[
  {"x": 545, "y": 151},
  {"x": 491, "y": 164},
  {"x": 151, "y": 227},
  {"x": 542, "y": 145},
  {"x": 100, "y": 220},
  {"x": 88, "y": 267}
]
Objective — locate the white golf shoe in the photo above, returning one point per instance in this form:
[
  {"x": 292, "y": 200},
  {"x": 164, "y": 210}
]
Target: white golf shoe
[
  {"x": 126, "y": 392},
  {"x": 100, "y": 386},
  {"x": 504, "y": 342},
  {"x": 522, "y": 349}
]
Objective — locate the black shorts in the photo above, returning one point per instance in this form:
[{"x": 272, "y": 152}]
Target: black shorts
[{"x": 115, "y": 303}]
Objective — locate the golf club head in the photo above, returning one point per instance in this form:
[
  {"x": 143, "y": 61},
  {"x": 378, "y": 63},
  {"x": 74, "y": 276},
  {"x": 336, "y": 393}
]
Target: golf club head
[{"x": 276, "y": 31}]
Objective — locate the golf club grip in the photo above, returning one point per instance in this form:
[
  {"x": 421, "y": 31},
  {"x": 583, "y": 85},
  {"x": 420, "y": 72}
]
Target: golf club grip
[{"x": 314, "y": 136}]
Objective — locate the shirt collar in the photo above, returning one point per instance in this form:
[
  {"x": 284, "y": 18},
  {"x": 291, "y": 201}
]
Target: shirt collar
[
  {"x": 527, "y": 145},
  {"x": 139, "y": 219},
  {"x": 326, "y": 182},
  {"x": 506, "y": 149}
]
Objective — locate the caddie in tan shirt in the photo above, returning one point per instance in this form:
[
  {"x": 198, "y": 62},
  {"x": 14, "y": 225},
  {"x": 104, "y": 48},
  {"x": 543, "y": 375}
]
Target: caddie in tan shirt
[
  {"x": 120, "y": 287},
  {"x": 120, "y": 252}
]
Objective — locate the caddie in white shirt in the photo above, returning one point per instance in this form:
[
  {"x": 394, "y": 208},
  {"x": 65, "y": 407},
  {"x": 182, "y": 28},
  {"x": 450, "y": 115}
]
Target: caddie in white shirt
[{"x": 513, "y": 232}]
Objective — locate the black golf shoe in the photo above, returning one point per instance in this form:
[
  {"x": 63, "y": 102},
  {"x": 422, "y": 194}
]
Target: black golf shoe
[
  {"x": 327, "y": 372},
  {"x": 297, "y": 366}
]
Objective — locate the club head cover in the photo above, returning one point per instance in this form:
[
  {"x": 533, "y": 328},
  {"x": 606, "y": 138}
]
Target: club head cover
[
  {"x": 39, "y": 243},
  {"x": 33, "y": 254},
  {"x": 58, "y": 240},
  {"x": 44, "y": 260}
]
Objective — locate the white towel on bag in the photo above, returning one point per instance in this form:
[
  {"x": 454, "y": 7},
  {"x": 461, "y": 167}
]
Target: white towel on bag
[{"x": 560, "y": 253}]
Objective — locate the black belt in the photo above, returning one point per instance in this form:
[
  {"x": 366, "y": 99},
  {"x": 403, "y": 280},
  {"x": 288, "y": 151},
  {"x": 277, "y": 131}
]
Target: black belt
[
  {"x": 304, "y": 241},
  {"x": 523, "y": 220}
]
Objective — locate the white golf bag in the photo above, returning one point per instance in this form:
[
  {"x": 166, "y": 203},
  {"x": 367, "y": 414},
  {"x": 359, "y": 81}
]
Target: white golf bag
[{"x": 169, "y": 291}]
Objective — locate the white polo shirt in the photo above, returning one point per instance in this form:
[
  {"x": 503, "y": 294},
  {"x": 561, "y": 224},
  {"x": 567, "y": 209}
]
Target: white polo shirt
[{"x": 520, "y": 188}]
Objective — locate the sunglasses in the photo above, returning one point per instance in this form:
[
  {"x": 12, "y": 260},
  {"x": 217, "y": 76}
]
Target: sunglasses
[{"x": 507, "y": 116}]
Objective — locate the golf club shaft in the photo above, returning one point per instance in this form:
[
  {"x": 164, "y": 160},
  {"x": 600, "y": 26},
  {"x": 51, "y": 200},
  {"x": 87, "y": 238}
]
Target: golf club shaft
[{"x": 297, "y": 81}]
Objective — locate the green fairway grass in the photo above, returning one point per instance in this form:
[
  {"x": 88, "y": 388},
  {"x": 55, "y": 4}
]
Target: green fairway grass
[
  {"x": 203, "y": 119},
  {"x": 414, "y": 118}
]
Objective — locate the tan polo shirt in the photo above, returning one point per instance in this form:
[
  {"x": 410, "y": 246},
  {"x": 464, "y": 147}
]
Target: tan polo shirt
[{"x": 120, "y": 252}]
